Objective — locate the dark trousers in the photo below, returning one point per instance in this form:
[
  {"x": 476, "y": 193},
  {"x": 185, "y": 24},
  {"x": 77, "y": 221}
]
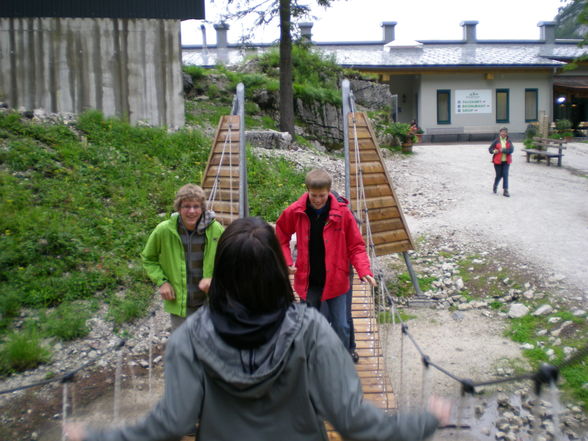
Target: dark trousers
[
  {"x": 501, "y": 173},
  {"x": 335, "y": 311},
  {"x": 349, "y": 295}
]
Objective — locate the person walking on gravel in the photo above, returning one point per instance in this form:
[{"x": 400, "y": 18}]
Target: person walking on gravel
[{"x": 501, "y": 150}]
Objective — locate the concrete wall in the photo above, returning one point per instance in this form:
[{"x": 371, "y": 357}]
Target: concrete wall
[
  {"x": 128, "y": 68},
  {"x": 483, "y": 123}
]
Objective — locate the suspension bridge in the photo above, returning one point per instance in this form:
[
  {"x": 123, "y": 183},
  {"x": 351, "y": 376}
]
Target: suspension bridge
[
  {"x": 375, "y": 206},
  {"x": 383, "y": 226}
]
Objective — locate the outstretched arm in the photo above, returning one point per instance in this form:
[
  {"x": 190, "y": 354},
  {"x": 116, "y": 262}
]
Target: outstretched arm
[
  {"x": 336, "y": 391},
  {"x": 177, "y": 412}
]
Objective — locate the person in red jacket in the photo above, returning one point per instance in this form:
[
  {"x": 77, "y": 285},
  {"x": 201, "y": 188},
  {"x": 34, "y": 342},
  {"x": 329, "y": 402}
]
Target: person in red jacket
[
  {"x": 501, "y": 150},
  {"x": 327, "y": 239}
]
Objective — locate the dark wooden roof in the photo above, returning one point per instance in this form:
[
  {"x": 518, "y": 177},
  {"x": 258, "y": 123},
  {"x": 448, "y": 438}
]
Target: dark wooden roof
[{"x": 169, "y": 9}]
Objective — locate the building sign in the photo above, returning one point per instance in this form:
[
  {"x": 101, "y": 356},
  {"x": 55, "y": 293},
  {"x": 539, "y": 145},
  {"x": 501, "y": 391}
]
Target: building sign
[{"x": 473, "y": 101}]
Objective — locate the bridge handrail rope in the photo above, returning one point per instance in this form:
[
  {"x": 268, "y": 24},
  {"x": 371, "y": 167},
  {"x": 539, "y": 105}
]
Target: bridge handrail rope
[
  {"x": 361, "y": 209},
  {"x": 547, "y": 374}
]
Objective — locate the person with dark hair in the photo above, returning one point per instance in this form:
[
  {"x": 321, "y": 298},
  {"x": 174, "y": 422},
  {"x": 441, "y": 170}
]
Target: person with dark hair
[
  {"x": 328, "y": 241},
  {"x": 501, "y": 150},
  {"x": 179, "y": 254},
  {"x": 256, "y": 365}
]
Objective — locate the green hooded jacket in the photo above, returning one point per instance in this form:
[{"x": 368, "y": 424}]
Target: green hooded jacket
[{"x": 164, "y": 260}]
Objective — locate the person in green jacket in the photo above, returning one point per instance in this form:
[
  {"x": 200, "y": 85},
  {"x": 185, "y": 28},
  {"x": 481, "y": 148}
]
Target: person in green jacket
[{"x": 179, "y": 254}]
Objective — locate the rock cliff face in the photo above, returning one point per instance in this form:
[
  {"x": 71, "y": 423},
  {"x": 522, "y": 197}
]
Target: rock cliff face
[
  {"x": 373, "y": 96},
  {"x": 321, "y": 121},
  {"x": 325, "y": 121}
]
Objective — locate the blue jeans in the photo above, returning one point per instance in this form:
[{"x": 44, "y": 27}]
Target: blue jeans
[
  {"x": 501, "y": 173},
  {"x": 335, "y": 311}
]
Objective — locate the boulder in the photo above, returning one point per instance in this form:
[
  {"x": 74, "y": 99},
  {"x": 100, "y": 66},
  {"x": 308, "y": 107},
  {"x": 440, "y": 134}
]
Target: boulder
[{"x": 517, "y": 310}]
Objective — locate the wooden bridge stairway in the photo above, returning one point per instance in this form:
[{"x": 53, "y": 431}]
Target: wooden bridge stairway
[
  {"x": 390, "y": 233},
  {"x": 224, "y": 154}
]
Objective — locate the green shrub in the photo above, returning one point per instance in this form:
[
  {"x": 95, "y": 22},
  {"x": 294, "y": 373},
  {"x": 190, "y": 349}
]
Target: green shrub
[
  {"x": 315, "y": 76},
  {"x": 67, "y": 322},
  {"x": 196, "y": 72},
  {"x": 9, "y": 306},
  {"x": 130, "y": 306},
  {"x": 22, "y": 351},
  {"x": 274, "y": 183},
  {"x": 563, "y": 125}
]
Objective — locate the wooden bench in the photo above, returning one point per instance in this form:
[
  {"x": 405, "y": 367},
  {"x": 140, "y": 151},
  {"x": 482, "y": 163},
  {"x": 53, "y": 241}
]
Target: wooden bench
[{"x": 542, "y": 150}]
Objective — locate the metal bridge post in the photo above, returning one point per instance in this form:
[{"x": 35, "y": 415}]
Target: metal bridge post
[
  {"x": 413, "y": 276},
  {"x": 243, "y": 202},
  {"x": 345, "y": 91}
]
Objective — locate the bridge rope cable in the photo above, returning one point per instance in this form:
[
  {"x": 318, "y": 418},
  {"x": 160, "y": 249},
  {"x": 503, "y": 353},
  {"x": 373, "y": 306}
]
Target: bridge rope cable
[{"x": 547, "y": 374}]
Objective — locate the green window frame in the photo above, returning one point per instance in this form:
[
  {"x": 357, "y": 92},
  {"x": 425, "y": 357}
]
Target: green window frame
[
  {"x": 531, "y": 105},
  {"x": 443, "y": 106},
  {"x": 502, "y": 105}
]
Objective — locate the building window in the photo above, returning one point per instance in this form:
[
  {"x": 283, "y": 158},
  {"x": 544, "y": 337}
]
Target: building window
[
  {"x": 443, "y": 107},
  {"x": 531, "y": 105},
  {"x": 502, "y": 106}
]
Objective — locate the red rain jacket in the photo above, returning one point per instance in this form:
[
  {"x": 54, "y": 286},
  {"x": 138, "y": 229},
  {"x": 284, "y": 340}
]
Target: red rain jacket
[
  {"x": 497, "y": 157},
  {"x": 343, "y": 244}
]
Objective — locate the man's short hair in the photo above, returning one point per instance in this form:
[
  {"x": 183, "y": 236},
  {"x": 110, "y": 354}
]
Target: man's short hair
[
  {"x": 189, "y": 192},
  {"x": 317, "y": 179}
]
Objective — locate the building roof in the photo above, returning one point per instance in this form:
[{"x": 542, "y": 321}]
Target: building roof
[
  {"x": 393, "y": 54},
  {"x": 428, "y": 55}
]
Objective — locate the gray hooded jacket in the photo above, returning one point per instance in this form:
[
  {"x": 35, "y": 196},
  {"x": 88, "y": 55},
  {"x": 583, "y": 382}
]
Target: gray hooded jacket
[{"x": 283, "y": 390}]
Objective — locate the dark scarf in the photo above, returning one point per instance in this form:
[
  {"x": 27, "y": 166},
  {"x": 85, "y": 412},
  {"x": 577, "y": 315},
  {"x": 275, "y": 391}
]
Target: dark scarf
[{"x": 242, "y": 329}]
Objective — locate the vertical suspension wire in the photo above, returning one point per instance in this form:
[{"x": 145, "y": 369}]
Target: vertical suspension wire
[
  {"x": 74, "y": 399},
  {"x": 150, "y": 345},
  {"x": 556, "y": 409},
  {"x": 460, "y": 408},
  {"x": 401, "y": 399},
  {"x": 536, "y": 412},
  {"x": 117, "y": 386},
  {"x": 64, "y": 409},
  {"x": 425, "y": 383}
]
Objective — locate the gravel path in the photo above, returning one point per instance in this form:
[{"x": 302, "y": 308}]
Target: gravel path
[{"x": 447, "y": 188}]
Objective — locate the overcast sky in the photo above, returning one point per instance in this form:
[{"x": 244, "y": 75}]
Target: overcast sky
[{"x": 360, "y": 20}]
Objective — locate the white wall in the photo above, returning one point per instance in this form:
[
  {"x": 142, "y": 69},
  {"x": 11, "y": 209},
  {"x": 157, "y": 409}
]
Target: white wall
[{"x": 484, "y": 122}]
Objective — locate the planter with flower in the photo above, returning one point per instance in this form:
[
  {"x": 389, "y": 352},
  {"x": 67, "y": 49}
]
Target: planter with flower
[{"x": 403, "y": 134}]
